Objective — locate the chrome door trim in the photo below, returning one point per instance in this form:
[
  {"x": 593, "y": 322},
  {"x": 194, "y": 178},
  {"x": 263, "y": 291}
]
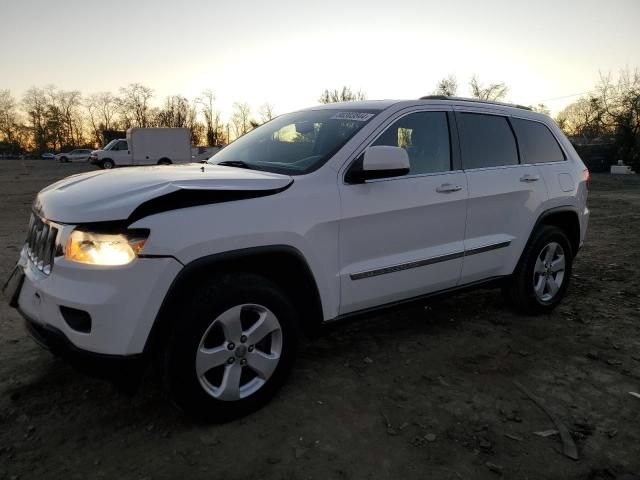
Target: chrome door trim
[{"x": 427, "y": 261}]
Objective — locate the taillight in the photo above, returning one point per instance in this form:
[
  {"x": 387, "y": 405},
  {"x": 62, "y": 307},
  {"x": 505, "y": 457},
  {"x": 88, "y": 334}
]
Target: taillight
[{"x": 587, "y": 177}]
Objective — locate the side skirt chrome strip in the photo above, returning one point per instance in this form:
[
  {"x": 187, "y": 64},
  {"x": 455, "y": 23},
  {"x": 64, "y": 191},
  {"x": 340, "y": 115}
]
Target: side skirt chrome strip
[{"x": 428, "y": 261}]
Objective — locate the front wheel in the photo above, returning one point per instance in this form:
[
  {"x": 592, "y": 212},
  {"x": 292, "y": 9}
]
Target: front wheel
[
  {"x": 108, "y": 164},
  {"x": 542, "y": 276},
  {"x": 232, "y": 349}
]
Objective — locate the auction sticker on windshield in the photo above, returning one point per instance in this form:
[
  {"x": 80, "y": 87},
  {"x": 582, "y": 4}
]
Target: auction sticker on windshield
[{"x": 356, "y": 116}]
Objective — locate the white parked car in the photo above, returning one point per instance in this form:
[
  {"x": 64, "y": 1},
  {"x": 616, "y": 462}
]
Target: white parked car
[
  {"x": 213, "y": 270},
  {"x": 78, "y": 155},
  {"x": 146, "y": 146}
]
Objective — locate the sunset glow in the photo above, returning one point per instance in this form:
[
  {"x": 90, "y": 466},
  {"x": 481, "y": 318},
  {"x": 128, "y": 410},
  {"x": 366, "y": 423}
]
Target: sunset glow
[{"x": 287, "y": 53}]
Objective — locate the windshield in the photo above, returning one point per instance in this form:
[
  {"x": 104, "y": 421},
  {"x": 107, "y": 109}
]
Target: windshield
[
  {"x": 110, "y": 145},
  {"x": 295, "y": 143}
]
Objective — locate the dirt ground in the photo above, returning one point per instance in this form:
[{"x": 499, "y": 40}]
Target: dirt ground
[{"x": 427, "y": 392}]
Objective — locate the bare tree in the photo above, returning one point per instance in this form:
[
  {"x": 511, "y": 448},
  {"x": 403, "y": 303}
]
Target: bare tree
[
  {"x": 70, "y": 103},
  {"x": 134, "y": 105},
  {"x": 584, "y": 117},
  {"x": 8, "y": 116},
  {"x": 197, "y": 127},
  {"x": 620, "y": 103},
  {"x": 213, "y": 127},
  {"x": 492, "y": 92},
  {"x": 174, "y": 113},
  {"x": 341, "y": 95},
  {"x": 266, "y": 112},
  {"x": 241, "y": 119},
  {"x": 34, "y": 101},
  {"x": 540, "y": 108},
  {"x": 101, "y": 109},
  {"x": 447, "y": 86}
]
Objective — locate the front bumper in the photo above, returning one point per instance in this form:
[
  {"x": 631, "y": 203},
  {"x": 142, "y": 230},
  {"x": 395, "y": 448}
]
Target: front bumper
[
  {"x": 96, "y": 364},
  {"x": 122, "y": 302}
]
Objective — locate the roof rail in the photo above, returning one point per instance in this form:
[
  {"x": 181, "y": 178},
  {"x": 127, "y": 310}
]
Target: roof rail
[{"x": 476, "y": 100}]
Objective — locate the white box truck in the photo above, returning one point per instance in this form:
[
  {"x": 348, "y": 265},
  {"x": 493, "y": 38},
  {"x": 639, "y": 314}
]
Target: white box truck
[{"x": 146, "y": 146}]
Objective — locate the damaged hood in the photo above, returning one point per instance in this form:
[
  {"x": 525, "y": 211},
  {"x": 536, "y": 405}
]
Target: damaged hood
[{"x": 124, "y": 193}]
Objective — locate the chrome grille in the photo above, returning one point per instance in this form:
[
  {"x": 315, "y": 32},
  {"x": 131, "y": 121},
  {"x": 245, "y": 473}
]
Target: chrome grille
[{"x": 41, "y": 244}]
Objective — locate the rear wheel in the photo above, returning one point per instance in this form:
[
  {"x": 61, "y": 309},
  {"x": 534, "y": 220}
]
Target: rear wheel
[
  {"x": 107, "y": 164},
  {"x": 164, "y": 161},
  {"x": 542, "y": 276},
  {"x": 233, "y": 348}
]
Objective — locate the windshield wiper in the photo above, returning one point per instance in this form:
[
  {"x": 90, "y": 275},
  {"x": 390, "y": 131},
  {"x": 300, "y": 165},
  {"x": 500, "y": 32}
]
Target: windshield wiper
[{"x": 234, "y": 163}]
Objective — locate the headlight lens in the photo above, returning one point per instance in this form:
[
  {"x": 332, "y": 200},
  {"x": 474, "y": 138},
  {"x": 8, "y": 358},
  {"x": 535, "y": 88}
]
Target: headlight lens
[{"x": 104, "y": 249}]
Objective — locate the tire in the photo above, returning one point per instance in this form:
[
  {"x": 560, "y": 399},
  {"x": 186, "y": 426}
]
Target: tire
[
  {"x": 107, "y": 164},
  {"x": 218, "y": 316},
  {"x": 164, "y": 161},
  {"x": 64, "y": 159},
  {"x": 542, "y": 276}
]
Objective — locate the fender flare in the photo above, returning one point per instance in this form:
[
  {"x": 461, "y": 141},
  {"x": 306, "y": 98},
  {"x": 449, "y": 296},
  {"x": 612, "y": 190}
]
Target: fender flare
[
  {"x": 191, "y": 269},
  {"x": 540, "y": 221}
]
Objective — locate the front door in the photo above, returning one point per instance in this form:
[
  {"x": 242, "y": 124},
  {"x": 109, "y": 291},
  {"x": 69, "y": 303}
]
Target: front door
[
  {"x": 120, "y": 153},
  {"x": 403, "y": 237}
]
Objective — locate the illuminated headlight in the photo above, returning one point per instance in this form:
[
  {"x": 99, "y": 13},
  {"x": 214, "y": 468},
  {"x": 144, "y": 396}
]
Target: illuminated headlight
[{"x": 103, "y": 248}]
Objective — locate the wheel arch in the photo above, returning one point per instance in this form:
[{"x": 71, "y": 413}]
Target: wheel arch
[
  {"x": 165, "y": 159},
  {"x": 565, "y": 218},
  {"x": 286, "y": 266}
]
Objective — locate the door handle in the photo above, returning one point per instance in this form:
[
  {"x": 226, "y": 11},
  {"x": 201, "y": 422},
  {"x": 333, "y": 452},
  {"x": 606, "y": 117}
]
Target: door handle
[
  {"x": 448, "y": 188},
  {"x": 529, "y": 178}
]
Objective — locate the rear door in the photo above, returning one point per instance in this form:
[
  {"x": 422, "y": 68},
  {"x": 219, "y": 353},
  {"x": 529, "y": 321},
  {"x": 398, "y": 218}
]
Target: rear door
[
  {"x": 504, "y": 195},
  {"x": 402, "y": 237}
]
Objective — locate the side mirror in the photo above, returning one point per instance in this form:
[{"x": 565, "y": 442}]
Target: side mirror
[{"x": 380, "y": 162}]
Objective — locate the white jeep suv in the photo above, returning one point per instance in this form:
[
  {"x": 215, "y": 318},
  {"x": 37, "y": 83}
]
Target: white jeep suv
[{"x": 213, "y": 270}]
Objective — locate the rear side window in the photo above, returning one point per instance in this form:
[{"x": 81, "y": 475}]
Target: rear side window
[
  {"x": 425, "y": 137},
  {"x": 487, "y": 141},
  {"x": 537, "y": 143}
]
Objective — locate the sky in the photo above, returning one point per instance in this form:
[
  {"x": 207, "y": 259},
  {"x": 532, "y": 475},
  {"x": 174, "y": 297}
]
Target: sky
[{"x": 286, "y": 53}]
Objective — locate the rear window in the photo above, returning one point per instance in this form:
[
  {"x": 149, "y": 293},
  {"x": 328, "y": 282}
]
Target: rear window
[
  {"x": 537, "y": 143},
  {"x": 487, "y": 141}
]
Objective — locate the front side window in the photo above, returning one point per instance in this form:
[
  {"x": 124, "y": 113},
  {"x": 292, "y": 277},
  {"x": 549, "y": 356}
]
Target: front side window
[
  {"x": 425, "y": 137},
  {"x": 487, "y": 141},
  {"x": 122, "y": 145},
  {"x": 537, "y": 144},
  {"x": 295, "y": 143}
]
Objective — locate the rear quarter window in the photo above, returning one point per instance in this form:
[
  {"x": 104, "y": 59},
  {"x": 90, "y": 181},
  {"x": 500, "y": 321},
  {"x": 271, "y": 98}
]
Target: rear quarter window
[
  {"x": 537, "y": 143},
  {"x": 487, "y": 141}
]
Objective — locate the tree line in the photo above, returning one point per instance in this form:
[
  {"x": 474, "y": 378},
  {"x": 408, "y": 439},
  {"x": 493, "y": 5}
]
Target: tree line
[{"x": 50, "y": 118}]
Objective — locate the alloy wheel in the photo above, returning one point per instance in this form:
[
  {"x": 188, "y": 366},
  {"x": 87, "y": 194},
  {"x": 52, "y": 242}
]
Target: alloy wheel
[
  {"x": 549, "y": 272},
  {"x": 239, "y": 352}
]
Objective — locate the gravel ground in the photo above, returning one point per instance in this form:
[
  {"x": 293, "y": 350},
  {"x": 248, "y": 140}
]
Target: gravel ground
[{"x": 427, "y": 392}]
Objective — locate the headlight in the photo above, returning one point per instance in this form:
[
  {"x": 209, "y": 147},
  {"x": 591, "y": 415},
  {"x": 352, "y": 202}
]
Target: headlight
[{"x": 103, "y": 248}]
